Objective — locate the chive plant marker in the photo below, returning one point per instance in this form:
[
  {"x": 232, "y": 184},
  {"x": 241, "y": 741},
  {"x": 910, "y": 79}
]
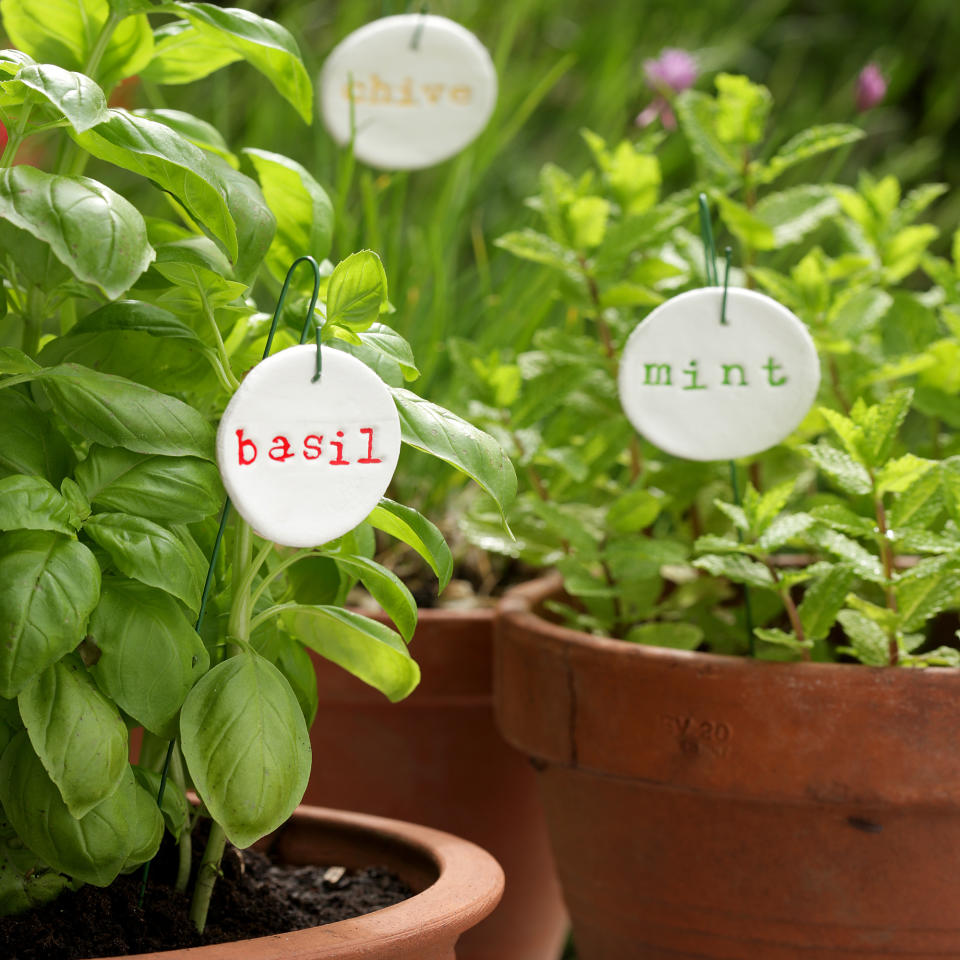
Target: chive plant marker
[{"x": 408, "y": 91}]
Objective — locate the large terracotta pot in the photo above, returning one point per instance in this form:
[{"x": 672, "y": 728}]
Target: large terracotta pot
[
  {"x": 718, "y": 807},
  {"x": 437, "y": 758},
  {"x": 457, "y": 885}
]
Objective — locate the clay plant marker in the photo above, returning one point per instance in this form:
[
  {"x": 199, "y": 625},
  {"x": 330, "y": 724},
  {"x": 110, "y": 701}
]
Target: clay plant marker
[
  {"x": 408, "y": 91},
  {"x": 719, "y": 373},
  {"x": 303, "y": 460}
]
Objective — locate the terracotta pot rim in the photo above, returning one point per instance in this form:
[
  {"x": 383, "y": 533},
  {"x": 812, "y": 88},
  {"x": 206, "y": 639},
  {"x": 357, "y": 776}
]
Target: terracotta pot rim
[
  {"x": 519, "y": 606},
  {"x": 468, "y": 887}
]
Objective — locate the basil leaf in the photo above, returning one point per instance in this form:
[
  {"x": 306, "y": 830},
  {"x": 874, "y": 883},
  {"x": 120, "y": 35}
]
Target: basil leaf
[
  {"x": 371, "y": 651},
  {"x": 76, "y": 732},
  {"x": 150, "y": 653},
  {"x": 100, "y": 237},
  {"x": 145, "y": 551},
  {"x": 171, "y": 489},
  {"x": 31, "y": 503},
  {"x": 443, "y": 434},
  {"x": 246, "y": 746},
  {"x": 73, "y": 94},
  {"x": 119, "y": 832},
  {"x": 264, "y": 44},
  {"x": 49, "y": 585},
  {"x": 173, "y": 163},
  {"x": 303, "y": 210}
]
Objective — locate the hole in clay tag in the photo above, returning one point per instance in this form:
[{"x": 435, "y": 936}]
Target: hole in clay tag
[
  {"x": 703, "y": 390},
  {"x": 304, "y": 462},
  {"x": 423, "y": 88}
]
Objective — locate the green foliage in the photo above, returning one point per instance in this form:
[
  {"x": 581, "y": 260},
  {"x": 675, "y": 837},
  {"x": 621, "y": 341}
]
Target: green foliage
[
  {"x": 845, "y": 539},
  {"x": 125, "y": 326},
  {"x": 246, "y": 746}
]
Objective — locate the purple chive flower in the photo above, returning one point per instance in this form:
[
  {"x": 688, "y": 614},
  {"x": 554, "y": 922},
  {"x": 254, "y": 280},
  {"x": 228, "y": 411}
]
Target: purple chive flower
[
  {"x": 670, "y": 73},
  {"x": 871, "y": 87}
]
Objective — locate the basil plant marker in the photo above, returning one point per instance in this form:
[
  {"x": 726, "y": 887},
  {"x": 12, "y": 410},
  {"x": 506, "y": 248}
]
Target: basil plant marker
[
  {"x": 408, "y": 91},
  {"x": 305, "y": 457}
]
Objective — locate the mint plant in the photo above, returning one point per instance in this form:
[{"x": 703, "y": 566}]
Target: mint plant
[
  {"x": 826, "y": 539},
  {"x": 125, "y": 329},
  {"x": 886, "y": 508}
]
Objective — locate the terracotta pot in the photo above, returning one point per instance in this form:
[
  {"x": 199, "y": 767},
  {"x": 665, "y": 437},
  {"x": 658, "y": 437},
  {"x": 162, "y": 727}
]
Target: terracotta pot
[
  {"x": 457, "y": 885},
  {"x": 437, "y": 758},
  {"x": 707, "y": 806}
]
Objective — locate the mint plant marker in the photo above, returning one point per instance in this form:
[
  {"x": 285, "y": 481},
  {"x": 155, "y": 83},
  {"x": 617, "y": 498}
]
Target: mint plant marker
[
  {"x": 305, "y": 460},
  {"x": 705, "y": 390},
  {"x": 408, "y": 91}
]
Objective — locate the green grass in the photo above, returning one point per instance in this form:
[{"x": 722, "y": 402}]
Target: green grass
[{"x": 565, "y": 66}]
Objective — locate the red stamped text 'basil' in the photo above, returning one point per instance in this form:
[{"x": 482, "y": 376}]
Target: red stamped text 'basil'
[{"x": 312, "y": 447}]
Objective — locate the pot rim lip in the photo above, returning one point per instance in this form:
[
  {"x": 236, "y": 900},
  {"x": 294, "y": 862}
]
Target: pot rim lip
[
  {"x": 518, "y": 606},
  {"x": 469, "y": 886}
]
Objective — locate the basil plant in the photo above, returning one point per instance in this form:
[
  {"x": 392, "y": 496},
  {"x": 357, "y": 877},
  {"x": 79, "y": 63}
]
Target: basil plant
[
  {"x": 843, "y": 544},
  {"x": 125, "y": 327}
]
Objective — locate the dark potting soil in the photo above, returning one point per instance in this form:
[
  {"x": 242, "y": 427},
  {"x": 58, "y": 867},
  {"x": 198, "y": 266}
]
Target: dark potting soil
[{"x": 255, "y": 897}]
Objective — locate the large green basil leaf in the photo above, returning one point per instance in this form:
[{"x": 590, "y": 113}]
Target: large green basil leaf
[
  {"x": 246, "y": 746},
  {"x": 198, "y": 132},
  {"x": 443, "y": 434},
  {"x": 154, "y": 555},
  {"x": 10, "y": 722},
  {"x": 369, "y": 650},
  {"x": 29, "y": 443},
  {"x": 356, "y": 291},
  {"x": 25, "y": 880},
  {"x": 182, "y": 54},
  {"x": 125, "y": 827},
  {"x": 264, "y": 44},
  {"x": 31, "y": 503},
  {"x": 72, "y": 94},
  {"x": 256, "y": 224},
  {"x": 303, "y": 210},
  {"x": 120, "y": 413},
  {"x": 150, "y": 653},
  {"x": 76, "y": 732},
  {"x": 293, "y": 661},
  {"x": 66, "y": 31},
  {"x": 383, "y": 349},
  {"x": 173, "y": 806},
  {"x": 171, "y": 489},
  {"x": 415, "y": 531},
  {"x": 100, "y": 237},
  {"x": 165, "y": 365},
  {"x": 172, "y": 162},
  {"x": 134, "y": 316},
  {"x": 49, "y": 586},
  {"x": 386, "y": 588}
]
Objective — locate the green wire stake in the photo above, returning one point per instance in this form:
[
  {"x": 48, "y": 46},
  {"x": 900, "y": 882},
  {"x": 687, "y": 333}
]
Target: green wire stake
[
  {"x": 710, "y": 263},
  {"x": 709, "y": 250},
  {"x": 224, "y": 516},
  {"x": 418, "y": 33},
  {"x": 728, "y": 254},
  {"x": 747, "y": 608}
]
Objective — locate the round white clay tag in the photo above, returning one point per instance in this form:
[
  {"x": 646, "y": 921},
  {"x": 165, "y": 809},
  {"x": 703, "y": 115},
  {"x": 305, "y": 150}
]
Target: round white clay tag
[
  {"x": 423, "y": 87},
  {"x": 703, "y": 390},
  {"x": 305, "y": 462}
]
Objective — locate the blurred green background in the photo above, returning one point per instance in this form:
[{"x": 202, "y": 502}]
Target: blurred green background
[{"x": 568, "y": 65}]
